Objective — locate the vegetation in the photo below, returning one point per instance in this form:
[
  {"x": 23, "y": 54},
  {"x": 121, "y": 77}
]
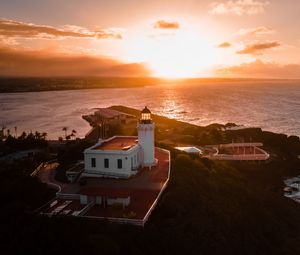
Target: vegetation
[
  {"x": 9, "y": 143},
  {"x": 208, "y": 207},
  {"x": 69, "y": 154}
]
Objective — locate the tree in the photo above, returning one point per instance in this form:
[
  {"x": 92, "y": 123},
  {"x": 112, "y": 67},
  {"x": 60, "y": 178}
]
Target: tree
[
  {"x": 65, "y": 129},
  {"x": 22, "y": 136},
  {"x": 73, "y": 134},
  {"x": 37, "y": 135},
  {"x": 44, "y": 135}
]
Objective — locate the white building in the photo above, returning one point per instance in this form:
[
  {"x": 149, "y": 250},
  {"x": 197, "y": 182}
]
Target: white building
[{"x": 121, "y": 156}]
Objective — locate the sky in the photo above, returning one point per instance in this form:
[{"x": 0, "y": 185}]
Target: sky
[{"x": 168, "y": 39}]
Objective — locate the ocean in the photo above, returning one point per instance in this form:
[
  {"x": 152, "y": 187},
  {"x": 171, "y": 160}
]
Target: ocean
[{"x": 271, "y": 105}]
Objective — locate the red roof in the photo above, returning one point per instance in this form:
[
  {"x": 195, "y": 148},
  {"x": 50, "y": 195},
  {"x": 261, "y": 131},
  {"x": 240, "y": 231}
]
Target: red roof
[{"x": 118, "y": 143}]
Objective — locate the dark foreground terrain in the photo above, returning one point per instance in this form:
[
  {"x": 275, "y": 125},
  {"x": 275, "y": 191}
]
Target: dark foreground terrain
[{"x": 208, "y": 208}]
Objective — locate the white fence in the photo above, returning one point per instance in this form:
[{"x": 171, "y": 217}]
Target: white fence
[
  {"x": 263, "y": 155},
  {"x": 230, "y": 145},
  {"x": 239, "y": 157}
]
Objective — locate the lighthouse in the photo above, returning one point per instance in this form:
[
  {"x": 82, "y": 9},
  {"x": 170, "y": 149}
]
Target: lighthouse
[{"x": 146, "y": 138}]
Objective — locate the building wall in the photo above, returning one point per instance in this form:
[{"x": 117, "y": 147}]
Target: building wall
[
  {"x": 146, "y": 140},
  {"x": 129, "y": 162}
]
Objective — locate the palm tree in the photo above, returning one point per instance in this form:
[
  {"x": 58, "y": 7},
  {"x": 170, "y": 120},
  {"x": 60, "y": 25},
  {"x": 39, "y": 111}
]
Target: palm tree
[
  {"x": 73, "y": 134},
  {"x": 37, "y": 135},
  {"x": 16, "y": 133},
  {"x": 44, "y": 135},
  {"x": 65, "y": 129},
  {"x": 23, "y": 135},
  {"x": 2, "y": 133},
  {"x": 8, "y": 132}
]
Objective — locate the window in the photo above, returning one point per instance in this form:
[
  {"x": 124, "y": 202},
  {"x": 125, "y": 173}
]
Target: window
[
  {"x": 119, "y": 163},
  {"x": 106, "y": 163},
  {"x": 93, "y": 162}
]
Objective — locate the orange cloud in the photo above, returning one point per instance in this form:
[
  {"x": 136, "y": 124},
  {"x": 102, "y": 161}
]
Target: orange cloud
[
  {"x": 12, "y": 28},
  {"x": 259, "y": 69},
  {"x": 162, "y": 24},
  {"x": 239, "y": 7},
  {"x": 261, "y": 30},
  {"x": 258, "y": 48},
  {"x": 43, "y": 63},
  {"x": 224, "y": 45}
]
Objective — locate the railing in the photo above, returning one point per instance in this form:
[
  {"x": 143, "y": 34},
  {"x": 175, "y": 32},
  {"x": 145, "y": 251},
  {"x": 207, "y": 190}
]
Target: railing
[
  {"x": 45, "y": 206},
  {"x": 36, "y": 171},
  {"x": 263, "y": 155},
  {"x": 42, "y": 165},
  {"x": 229, "y": 145},
  {"x": 161, "y": 191},
  {"x": 118, "y": 220},
  {"x": 155, "y": 203},
  {"x": 86, "y": 208},
  {"x": 239, "y": 157}
]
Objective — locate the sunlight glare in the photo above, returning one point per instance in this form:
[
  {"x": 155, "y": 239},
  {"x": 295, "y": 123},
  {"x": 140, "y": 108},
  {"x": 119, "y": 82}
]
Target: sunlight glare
[{"x": 174, "y": 54}]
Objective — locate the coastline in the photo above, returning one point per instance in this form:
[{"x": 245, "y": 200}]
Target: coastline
[{"x": 40, "y": 84}]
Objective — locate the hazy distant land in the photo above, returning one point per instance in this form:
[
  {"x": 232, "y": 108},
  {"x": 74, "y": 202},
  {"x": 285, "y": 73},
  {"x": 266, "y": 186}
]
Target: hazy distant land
[
  {"x": 35, "y": 84},
  {"x": 8, "y": 85}
]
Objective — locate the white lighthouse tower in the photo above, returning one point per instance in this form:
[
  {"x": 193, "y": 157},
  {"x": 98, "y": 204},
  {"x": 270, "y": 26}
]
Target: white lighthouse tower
[{"x": 146, "y": 138}]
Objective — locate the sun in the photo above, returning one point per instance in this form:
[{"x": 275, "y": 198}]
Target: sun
[{"x": 173, "y": 54}]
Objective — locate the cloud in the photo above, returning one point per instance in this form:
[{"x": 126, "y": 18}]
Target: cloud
[
  {"x": 224, "y": 45},
  {"x": 261, "y": 30},
  {"x": 258, "y": 48},
  {"x": 7, "y": 41},
  {"x": 259, "y": 69},
  {"x": 162, "y": 24},
  {"x": 12, "y": 28},
  {"x": 16, "y": 62},
  {"x": 238, "y": 7}
]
